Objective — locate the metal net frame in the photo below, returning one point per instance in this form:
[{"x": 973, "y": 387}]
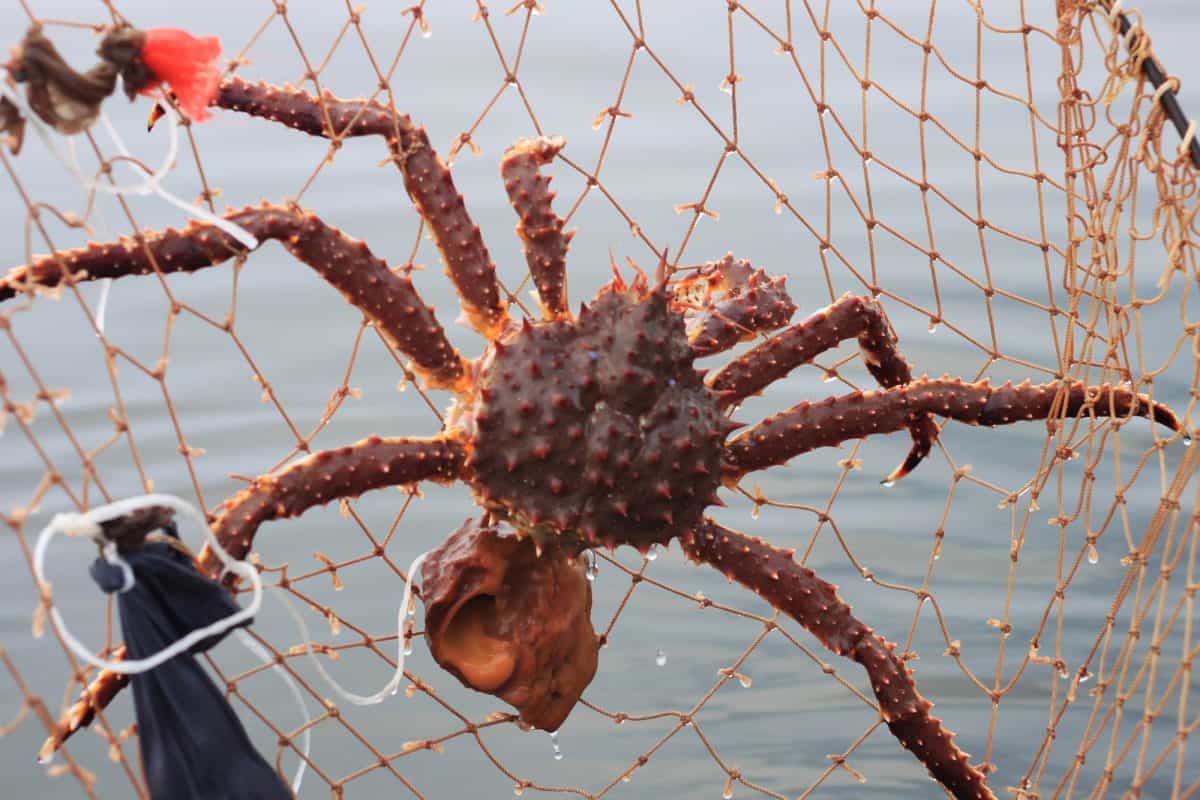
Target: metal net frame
[{"x": 1111, "y": 228}]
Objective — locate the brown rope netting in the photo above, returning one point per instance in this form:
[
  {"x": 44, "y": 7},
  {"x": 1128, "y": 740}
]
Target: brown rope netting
[{"x": 1000, "y": 173}]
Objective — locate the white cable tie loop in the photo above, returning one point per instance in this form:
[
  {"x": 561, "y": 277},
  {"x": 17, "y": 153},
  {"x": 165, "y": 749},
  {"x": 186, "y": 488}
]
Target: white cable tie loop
[
  {"x": 393, "y": 685},
  {"x": 257, "y": 649},
  {"x": 151, "y": 184},
  {"x": 113, "y": 557},
  {"x": 120, "y": 508}
]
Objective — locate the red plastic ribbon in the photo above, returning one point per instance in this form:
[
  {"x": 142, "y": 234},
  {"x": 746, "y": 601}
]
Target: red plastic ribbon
[{"x": 187, "y": 64}]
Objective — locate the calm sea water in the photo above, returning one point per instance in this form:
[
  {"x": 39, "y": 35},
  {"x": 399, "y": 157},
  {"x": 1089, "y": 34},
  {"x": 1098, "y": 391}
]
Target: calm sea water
[{"x": 300, "y": 334}]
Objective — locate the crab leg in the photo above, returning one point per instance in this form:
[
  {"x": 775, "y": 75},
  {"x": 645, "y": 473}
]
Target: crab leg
[
  {"x": 98, "y": 694},
  {"x": 426, "y": 178},
  {"x": 540, "y": 228},
  {"x": 796, "y": 591},
  {"x": 387, "y": 299},
  {"x": 849, "y": 316},
  {"x": 832, "y": 421},
  {"x": 371, "y": 463}
]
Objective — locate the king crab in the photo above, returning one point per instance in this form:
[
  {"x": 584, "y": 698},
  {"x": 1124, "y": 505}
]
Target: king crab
[{"x": 576, "y": 430}]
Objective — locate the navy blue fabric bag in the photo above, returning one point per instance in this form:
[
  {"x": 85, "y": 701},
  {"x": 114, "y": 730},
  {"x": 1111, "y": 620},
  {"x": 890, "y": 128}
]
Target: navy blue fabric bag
[{"x": 193, "y": 744}]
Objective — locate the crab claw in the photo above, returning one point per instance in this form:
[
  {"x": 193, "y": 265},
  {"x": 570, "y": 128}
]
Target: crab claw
[{"x": 924, "y": 434}]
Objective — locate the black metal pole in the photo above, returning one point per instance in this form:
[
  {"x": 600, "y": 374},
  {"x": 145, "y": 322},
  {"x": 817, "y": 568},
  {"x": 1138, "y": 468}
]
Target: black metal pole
[{"x": 1157, "y": 77}]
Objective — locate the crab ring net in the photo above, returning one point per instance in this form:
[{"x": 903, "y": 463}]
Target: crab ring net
[{"x": 1002, "y": 176}]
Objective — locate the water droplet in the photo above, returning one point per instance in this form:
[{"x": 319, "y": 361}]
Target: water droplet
[
  {"x": 408, "y": 647},
  {"x": 412, "y": 607},
  {"x": 660, "y": 658},
  {"x": 1185, "y": 440},
  {"x": 728, "y": 793},
  {"x": 518, "y": 790},
  {"x": 652, "y": 553},
  {"x": 1085, "y": 676},
  {"x": 558, "y": 754},
  {"x": 1093, "y": 555},
  {"x": 593, "y": 568},
  {"x": 726, "y": 86},
  {"x": 627, "y": 777},
  {"x": 830, "y": 377},
  {"x": 427, "y": 34},
  {"x": 933, "y": 328},
  {"x": 745, "y": 680},
  {"x": 1063, "y": 674},
  {"x": 887, "y": 484}
]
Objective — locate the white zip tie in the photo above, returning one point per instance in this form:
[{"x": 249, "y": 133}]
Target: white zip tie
[
  {"x": 393, "y": 685},
  {"x": 88, "y": 523},
  {"x": 257, "y": 649}
]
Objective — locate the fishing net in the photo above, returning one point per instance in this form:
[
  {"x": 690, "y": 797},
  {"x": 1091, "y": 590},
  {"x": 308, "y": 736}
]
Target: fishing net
[{"x": 1004, "y": 177}]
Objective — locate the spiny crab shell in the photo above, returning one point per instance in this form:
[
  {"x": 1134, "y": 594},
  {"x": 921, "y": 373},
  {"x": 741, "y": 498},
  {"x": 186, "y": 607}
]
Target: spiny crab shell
[
  {"x": 511, "y": 621},
  {"x": 587, "y": 431},
  {"x": 597, "y": 430}
]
